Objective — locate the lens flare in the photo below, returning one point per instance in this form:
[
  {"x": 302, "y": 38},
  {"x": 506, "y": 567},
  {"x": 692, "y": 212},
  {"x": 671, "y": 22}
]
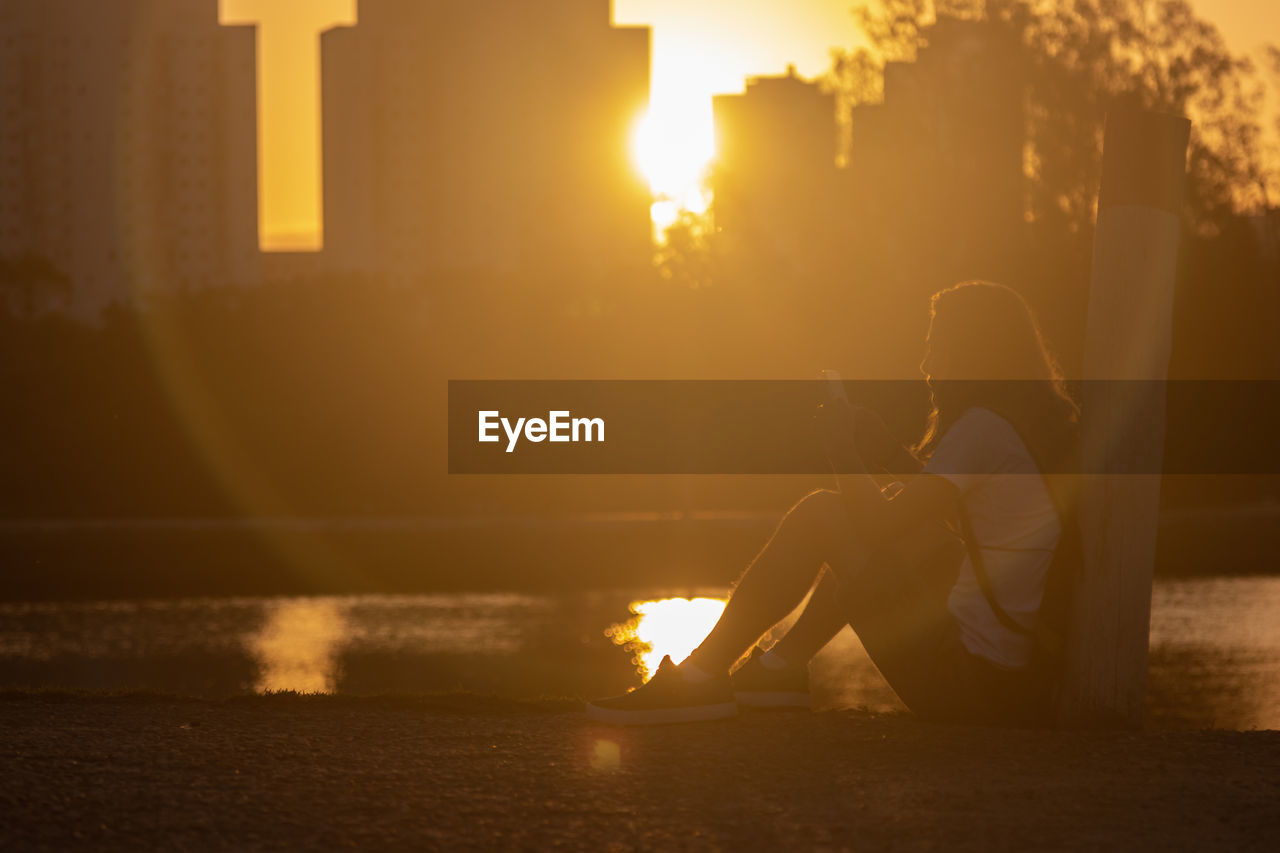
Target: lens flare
[{"x": 606, "y": 756}]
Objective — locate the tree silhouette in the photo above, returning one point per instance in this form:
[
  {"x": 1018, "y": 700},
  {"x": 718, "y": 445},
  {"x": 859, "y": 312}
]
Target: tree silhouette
[
  {"x": 685, "y": 257},
  {"x": 1079, "y": 58}
]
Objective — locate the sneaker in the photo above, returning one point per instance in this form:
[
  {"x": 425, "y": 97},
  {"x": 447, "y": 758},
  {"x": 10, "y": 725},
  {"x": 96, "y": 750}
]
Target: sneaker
[
  {"x": 667, "y": 698},
  {"x": 757, "y": 686}
]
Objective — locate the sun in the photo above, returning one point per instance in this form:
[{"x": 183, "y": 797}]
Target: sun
[{"x": 673, "y": 147}]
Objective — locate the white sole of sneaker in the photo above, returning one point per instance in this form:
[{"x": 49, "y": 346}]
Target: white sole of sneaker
[
  {"x": 660, "y": 716},
  {"x": 772, "y": 699}
]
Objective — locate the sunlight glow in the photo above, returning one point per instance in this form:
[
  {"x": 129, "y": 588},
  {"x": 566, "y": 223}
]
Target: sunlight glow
[
  {"x": 673, "y": 148},
  {"x": 667, "y": 626}
]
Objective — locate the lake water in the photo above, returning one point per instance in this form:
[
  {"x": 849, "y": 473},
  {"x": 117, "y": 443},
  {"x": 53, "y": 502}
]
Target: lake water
[{"x": 1215, "y": 647}]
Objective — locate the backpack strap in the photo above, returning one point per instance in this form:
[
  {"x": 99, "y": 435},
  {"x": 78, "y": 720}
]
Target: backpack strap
[{"x": 984, "y": 579}]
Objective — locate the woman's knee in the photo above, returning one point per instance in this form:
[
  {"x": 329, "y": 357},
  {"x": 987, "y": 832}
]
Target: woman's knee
[
  {"x": 824, "y": 516},
  {"x": 821, "y": 509},
  {"x": 825, "y": 502}
]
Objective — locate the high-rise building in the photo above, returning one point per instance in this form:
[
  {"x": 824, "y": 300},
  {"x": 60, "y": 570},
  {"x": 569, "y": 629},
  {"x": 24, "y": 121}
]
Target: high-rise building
[
  {"x": 936, "y": 169},
  {"x": 489, "y": 136},
  {"x": 777, "y": 191},
  {"x": 128, "y": 145}
]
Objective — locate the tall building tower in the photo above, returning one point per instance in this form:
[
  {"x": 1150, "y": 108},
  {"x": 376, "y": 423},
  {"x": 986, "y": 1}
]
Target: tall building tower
[
  {"x": 490, "y": 136},
  {"x": 128, "y": 155},
  {"x": 775, "y": 184},
  {"x": 937, "y": 173}
]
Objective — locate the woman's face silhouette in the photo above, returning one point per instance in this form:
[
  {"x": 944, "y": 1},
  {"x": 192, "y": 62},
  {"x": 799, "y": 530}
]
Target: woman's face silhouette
[{"x": 935, "y": 361}]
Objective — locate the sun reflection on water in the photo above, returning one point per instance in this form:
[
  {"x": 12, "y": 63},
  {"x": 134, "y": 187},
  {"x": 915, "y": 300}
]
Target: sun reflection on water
[
  {"x": 665, "y": 626},
  {"x": 297, "y": 647}
]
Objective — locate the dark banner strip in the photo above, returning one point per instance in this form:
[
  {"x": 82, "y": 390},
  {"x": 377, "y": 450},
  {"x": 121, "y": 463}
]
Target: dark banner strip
[{"x": 769, "y": 427}]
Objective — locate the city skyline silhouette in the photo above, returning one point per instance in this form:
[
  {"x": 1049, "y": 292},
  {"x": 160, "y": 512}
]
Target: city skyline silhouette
[{"x": 695, "y": 57}]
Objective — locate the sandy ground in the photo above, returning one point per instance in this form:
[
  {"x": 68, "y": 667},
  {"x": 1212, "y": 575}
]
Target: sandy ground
[{"x": 97, "y": 772}]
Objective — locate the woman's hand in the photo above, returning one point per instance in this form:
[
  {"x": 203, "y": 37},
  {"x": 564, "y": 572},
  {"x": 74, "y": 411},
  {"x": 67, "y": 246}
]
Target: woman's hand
[{"x": 856, "y": 439}]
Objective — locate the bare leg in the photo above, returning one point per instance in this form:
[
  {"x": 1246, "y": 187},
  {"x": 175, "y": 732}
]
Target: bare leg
[
  {"x": 813, "y": 532},
  {"x": 822, "y": 618}
]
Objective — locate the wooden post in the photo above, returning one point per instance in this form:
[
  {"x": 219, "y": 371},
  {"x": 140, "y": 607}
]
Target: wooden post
[{"x": 1129, "y": 337}]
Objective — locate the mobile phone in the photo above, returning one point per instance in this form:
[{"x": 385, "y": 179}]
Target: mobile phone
[{"x": 835, "y": 386}]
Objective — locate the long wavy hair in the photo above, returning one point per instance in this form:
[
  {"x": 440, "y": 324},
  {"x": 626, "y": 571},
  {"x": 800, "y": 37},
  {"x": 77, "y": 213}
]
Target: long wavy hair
[{"x": 997, "y": 358}]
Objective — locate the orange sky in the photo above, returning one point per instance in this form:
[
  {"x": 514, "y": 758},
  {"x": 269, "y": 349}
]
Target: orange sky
[{"x": 699, "y": 47}]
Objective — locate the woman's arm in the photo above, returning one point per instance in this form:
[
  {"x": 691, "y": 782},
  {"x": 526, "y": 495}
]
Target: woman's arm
[{"x": 926, "y": 497}]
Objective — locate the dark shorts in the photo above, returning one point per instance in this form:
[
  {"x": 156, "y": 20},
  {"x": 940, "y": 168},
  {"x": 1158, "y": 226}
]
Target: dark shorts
[{"x": 897, "y": 604}]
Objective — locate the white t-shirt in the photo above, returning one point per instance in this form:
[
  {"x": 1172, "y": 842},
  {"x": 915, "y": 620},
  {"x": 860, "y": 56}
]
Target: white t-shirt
[{"x": 1016, "y": 526}]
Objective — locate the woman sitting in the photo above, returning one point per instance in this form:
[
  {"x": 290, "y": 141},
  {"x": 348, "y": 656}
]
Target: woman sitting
[{"x": 948, "y": 622}]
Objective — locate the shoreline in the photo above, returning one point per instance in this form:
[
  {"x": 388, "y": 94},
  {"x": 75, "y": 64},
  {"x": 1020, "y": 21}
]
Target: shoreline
[{"x": 115, "y": 559}]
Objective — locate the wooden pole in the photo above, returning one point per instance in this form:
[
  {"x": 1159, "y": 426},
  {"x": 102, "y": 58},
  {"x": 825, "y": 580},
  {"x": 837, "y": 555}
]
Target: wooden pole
[{"x": 1128, "y": 338}]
